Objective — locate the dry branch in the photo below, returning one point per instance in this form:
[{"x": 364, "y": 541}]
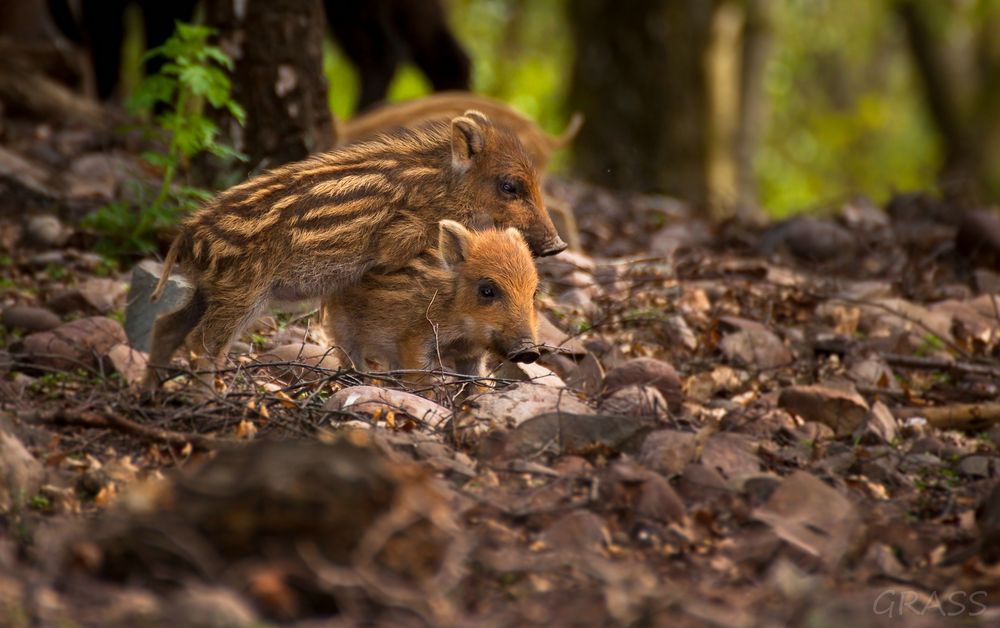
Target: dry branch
[
  {"x": 961, "y": 416},
  {"x": 110, "y": 420}
]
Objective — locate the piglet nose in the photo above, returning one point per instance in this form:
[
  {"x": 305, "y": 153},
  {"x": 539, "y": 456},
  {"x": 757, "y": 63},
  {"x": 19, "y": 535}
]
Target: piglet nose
[
  {"x": 554, "y": 246},
  {"x": 525, "y": 355}
]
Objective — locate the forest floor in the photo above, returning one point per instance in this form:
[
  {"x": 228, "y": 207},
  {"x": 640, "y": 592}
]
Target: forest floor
[{"x": 788, "y": 424}]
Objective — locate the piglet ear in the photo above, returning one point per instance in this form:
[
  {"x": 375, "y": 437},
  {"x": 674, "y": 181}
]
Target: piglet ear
[
  {"x": 515, "y": 235},
  {"x": 453, "y": 243},
  {"x": 478, "y": 116},
  {"x": 467, "y": 141}
]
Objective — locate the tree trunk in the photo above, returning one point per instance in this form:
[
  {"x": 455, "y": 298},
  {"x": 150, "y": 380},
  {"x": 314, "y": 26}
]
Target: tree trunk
[
  {"x": 277, "y": 46},
  {"x": 757, "y": 44},
  {"x": 639, "y": 77},
  {"x": 966, "y": 119}
]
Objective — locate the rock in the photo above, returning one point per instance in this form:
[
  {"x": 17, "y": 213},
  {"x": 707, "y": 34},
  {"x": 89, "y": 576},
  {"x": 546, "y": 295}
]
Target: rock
[
  {"x": 304, "y": 494},
  {"x": 554, "y": 339},
  {"x": 534, "y": 373},
  {"x": 305, "y": 354},
  {"x": 885, "y": 317},
  {"x": 67, "y": 301},
  {"x": 968, "y": 324},
  {"x": 577, "y": 530},
  {"x": 647, "y": 372},
  {"x": 879, "y": 426},
  {"x": 372, "y": 400},
  {"x": 987, "y": 281},
  {"x": 588, "y": 376},
  {"x": 978, "y": 466},
  {"x": 47, "y": 230},
  {"x": 635, "y": 401},
  {"x": 873, "y": 372},
  {"x": 25, "y": 173},
  {"x": 577, "y": 299},
  {"x": 140, "y": 314},
  {"x": 80, "y": 343},
  {"x": 818, "y": 240},
  {"x": 920, "y": 463},
  {"x": 640, "y": 494},
  {"x": 842, "y": 410},
  {"x": 128, "y": 362},
  {"x": 46, "y": 259},
  {"x": 293, "y": 334},
  {"x": 210, "y": 607},
  {"x": 704, "y": 386},
  {"x": 130, "y": 607},
  {"x": 700, "y": 483},
  {"x": 511, "y": 406},
  {"x": 809, "y": 515},
  {"x": 730, "y": 454},
  {"x": 28, "y": 318},
  {"x": 20, "y": 474},
  {"x": 95, "y": 176},
  {"x": 102, "y": 294},
  {"x": 756, "y": 348},
  {"x": 566, "y": 433},
  {"x": 668, "y": 452},
  {"x": 758, "y": 487}
]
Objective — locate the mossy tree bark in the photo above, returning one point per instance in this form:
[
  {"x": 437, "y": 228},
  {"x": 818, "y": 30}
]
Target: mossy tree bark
[{"x": 278, "y": 49}]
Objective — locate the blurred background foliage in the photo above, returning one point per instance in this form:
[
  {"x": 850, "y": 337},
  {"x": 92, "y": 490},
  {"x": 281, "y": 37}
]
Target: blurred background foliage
[{"x": 844, "y": 109}]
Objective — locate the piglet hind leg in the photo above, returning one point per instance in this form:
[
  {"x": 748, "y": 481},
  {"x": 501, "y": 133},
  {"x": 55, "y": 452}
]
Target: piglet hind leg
[
  {"x": 224, "y": 320},
  {"x": 169, "y": 333}
]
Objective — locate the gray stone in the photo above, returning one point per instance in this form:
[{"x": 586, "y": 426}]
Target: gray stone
[
  {"x": 879, "y": 426},
  {"x": 731, "y": 454},
  {"x": 76, "y": 344},
  {"x": 565, "y": 433},
  {"x": 48, "y": 258},
  {"x": 759, "y": 348},
  {"x": 811, "y": 516},
  {"x": 534, "y": 373},
  {"x": 635, "y": 400},
  {"x": 140, "y": 314},
  {"x": 658, "y": 374},
  {"x": 842, "y": 410},
  {"x": 978, "y": 466},
  {"x": 29, "y": 318},
  {"x": 511, "y": 406},
  {"x": 127, "y": 362},
  {"x": 668, "y": 451},
  {"x": 47, "y": 230}
]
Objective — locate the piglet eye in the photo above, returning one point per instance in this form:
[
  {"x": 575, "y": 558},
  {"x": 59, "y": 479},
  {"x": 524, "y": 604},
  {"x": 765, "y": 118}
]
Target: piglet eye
[
  {"x": 487, "y": 290},
  {"x": 508, "y": 187}
]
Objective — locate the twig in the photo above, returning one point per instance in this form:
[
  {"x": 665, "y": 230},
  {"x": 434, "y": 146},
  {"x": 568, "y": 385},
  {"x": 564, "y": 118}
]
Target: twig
[
  {"x": 961, "y": 416},
  {"x": 110, "y": 419},
  {"x": 940, "y": 364}
]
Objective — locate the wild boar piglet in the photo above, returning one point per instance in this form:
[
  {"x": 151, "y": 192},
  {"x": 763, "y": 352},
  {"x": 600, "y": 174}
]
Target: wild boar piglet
[
  {"x": 539, "y": 144},
  {"x": 472, "y": 294},
  {"x": 315, "y": 227}
]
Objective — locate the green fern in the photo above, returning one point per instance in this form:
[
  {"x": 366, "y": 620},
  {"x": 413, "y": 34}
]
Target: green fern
[{"x": 195, "y": 75}]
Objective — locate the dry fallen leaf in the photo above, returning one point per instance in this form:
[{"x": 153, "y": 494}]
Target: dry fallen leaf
[{"x": 246, "y": 429}]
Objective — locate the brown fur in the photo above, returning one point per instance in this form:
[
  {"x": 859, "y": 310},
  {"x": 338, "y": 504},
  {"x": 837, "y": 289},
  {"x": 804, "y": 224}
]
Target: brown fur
[
  {"x": 431, "y": 314},
  {"x": 539, "y": 144},
  {"x": 315, "y": 227}
]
